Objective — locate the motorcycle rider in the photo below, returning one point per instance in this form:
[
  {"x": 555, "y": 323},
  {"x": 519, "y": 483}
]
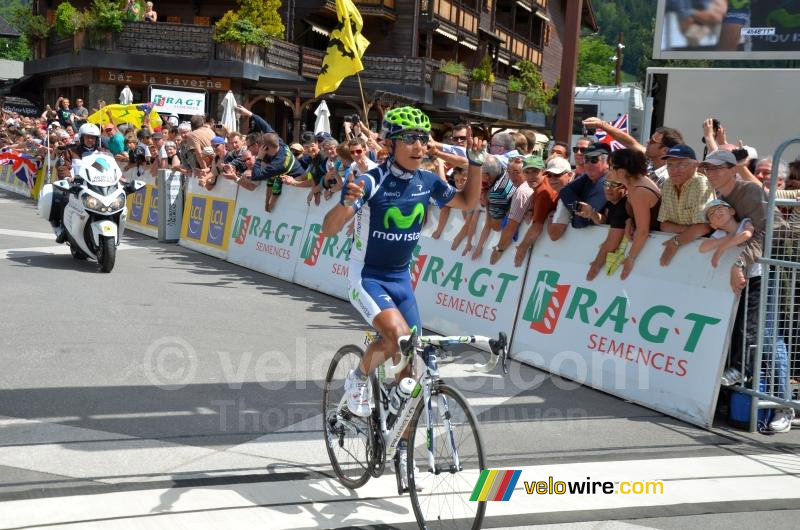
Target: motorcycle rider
[{"x": 67, "y": 167}]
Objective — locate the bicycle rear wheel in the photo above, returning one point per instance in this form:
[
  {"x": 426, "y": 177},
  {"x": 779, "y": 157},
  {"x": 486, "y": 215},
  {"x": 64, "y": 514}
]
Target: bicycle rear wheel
[
  {"x": 440, "y": 496},
  {"x": 347, "y": 437}
]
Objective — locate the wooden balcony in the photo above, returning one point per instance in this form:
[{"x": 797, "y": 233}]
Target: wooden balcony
[
  {"x": 146, "y": 46},
  {"x": 383, "y": 9}
]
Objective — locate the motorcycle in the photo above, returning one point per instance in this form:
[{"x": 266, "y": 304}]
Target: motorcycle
[{"x": 94, "y": 208}]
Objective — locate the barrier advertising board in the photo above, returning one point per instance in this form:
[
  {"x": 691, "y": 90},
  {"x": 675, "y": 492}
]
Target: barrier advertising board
[
  {"x": 658, "y": 338},
  {"x": 143, "y": 205},
  {"x": 268, "y": 242},
  {"x": 208, "y": 217},
  {"x": 11, "y": 182},
  {"x": 458, "y": 295},
  {"x": 323, "y": 261}
]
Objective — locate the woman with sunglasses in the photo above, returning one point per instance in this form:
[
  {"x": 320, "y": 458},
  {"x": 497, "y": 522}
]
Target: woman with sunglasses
[
  {"x": 629, "y": 168},
  {"x": 389, "y": 204}
]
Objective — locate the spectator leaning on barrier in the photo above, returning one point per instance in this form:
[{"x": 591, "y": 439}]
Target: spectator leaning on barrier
[
  {"x": 587, "y": 188},
  {"x": 498, "y": 198},
  {"x": 615, "y": 214},
  {"x": 629, "y": 168},
  {"x": 195, "y": 142},
  {"x": 542, "y": 202},
  {"x": 747, "y": 200},
  {"x": 520, "y": 204},
  {"x": 273, "y": 161},
  {"x": 684, "y": 196}
]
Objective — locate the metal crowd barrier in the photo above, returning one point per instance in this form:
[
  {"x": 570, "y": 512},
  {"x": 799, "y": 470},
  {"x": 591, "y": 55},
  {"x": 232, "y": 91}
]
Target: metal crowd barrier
[{"x": 776, "y": 352}]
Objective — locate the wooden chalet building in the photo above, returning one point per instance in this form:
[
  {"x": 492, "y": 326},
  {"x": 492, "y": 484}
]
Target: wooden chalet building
[{"x": 409, "y": 40}]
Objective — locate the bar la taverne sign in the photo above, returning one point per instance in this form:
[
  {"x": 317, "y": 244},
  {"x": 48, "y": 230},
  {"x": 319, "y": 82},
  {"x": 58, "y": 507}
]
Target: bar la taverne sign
[{"x": 127, "y": 77}]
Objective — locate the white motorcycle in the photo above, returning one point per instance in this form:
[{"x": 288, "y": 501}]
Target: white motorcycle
[{"x": 95, "y": 208}]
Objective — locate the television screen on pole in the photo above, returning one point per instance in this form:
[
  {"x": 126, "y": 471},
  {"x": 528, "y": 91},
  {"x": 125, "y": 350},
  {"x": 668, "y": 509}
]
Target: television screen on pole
[{"x": 727, "y": 29}]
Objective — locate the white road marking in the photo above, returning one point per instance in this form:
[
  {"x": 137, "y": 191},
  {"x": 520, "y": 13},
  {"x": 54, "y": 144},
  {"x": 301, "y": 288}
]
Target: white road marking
[
  {"x": 26, "y": 233},
  {"x": 325, "y": 503}
]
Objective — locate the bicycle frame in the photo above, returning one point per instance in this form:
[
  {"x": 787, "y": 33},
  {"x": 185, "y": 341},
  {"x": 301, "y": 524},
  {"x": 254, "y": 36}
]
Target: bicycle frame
[{"x": 410, "y": 345}]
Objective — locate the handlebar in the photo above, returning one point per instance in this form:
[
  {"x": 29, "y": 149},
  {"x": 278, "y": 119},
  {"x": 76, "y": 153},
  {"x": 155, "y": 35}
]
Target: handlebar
[{"x": 410, "y": 343}]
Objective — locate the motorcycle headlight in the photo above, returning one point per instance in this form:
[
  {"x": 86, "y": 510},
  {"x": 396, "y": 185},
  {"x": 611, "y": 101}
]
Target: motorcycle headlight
[
  {"x": 92, "y": 203},
  {"x": 118, "y": 203}
]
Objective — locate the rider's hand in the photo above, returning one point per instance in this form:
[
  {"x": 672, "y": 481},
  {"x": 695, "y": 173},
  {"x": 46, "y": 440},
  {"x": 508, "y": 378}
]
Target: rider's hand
[
  {"x": 476, "y": 148},
  {"x": 353, "y": 190}
]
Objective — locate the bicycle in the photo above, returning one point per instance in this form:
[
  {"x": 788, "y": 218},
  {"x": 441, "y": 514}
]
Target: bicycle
[{"x": 446, "y": 445}]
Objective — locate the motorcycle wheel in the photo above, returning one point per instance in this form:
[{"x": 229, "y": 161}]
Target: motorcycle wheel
[
  {"x": 77, "y": 253},
  {"x": 108, "y": 254}
]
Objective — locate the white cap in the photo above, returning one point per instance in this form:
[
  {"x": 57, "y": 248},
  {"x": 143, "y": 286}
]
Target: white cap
[{"x": 558, "y": 166}]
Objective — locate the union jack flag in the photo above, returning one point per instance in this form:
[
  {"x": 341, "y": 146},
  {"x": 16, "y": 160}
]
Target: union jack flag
[
  {"x": 622, "y": 124},
  {"x": 24, "y": 166}
]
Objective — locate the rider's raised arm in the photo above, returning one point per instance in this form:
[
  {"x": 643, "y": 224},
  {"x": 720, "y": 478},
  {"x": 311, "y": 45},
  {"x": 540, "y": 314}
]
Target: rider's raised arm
[{"x": 467, "y": 198}]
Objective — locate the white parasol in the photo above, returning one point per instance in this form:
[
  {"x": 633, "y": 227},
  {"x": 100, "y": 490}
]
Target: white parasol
[
  {"x": 229, "y": 119},
  {"x": 126, "y": 96},
  {"x": 323, "y": 123}
]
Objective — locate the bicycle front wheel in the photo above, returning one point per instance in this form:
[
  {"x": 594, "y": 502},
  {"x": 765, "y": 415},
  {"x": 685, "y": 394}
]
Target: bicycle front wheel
[
  {"x": 440, "y": 495},
  {"x": 347, "y": 437}
]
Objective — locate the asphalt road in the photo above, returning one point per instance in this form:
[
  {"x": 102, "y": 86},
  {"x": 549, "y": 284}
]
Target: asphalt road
[{"x": 183, "y": 391}]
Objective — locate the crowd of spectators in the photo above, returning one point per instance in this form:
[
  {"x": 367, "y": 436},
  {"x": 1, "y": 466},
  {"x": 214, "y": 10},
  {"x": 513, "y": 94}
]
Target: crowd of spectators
[{"x": 660, "y": 186}]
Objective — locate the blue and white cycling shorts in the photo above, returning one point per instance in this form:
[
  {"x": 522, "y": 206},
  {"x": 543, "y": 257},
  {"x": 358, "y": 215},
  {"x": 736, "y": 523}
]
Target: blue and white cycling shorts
[{"x": 373, "y": 290}]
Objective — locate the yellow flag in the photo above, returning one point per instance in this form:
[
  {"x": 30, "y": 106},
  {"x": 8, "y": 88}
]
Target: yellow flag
[
  {"x": 133, "y": 114},
  {"x": 346, "y": 47}
]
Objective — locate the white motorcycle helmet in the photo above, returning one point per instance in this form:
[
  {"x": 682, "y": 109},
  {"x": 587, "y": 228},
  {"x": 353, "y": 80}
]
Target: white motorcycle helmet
[{"x": 89, "y": 129}]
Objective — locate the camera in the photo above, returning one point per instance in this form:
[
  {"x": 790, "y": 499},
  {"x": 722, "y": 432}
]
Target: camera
[
  {"x": 740, "y": 154},
  {"x": 138, "y": 155},
  {"x": 352, "y": 118},
  {"x": 575, "y": 207}
]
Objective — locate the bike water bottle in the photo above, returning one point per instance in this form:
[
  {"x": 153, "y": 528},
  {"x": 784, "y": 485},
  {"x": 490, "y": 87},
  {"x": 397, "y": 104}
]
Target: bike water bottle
[{"x": 398, "y": 396}]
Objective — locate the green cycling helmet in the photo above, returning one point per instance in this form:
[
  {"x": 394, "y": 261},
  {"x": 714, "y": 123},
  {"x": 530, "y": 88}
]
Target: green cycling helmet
[{"x": 402, "y": 119}]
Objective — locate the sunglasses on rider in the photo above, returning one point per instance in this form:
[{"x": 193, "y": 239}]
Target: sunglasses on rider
[
  {"x": 411, "y": 139},
  {"x": 579, "y": 149}
]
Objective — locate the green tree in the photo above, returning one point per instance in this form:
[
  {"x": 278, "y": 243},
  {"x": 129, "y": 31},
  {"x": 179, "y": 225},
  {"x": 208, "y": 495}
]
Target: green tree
[
  {"x": 264, "y": 14},
  {"x": 594, "y": 64},
  {"x": 15, "y": 49}
]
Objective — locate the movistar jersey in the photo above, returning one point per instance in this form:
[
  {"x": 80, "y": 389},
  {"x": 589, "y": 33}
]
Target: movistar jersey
[{"x": 390, "y": 215}]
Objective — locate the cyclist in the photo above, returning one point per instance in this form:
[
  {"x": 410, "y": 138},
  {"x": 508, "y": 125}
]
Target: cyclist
[{"x": 390, "y": 203}]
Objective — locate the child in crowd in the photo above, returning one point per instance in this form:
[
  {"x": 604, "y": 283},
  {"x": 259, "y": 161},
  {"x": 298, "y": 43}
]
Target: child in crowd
[{"x": 728, "y": 231}]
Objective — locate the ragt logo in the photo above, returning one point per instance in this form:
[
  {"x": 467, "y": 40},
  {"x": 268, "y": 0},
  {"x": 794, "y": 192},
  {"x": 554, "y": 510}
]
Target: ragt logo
[{"x": 549, "y": 303}]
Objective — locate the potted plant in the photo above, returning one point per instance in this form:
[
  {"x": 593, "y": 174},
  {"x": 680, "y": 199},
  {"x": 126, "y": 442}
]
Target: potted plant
[
  {"x": 105, "y": 18},
  {"x": 482, "y": 77},
  {"x": 70, "y": 21},
  {"x": 516, "y": 93},
  {"x": 446, "y": 78},
  {"x": 240, "y": 39},
  {"x": 528, "y": 82}
]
